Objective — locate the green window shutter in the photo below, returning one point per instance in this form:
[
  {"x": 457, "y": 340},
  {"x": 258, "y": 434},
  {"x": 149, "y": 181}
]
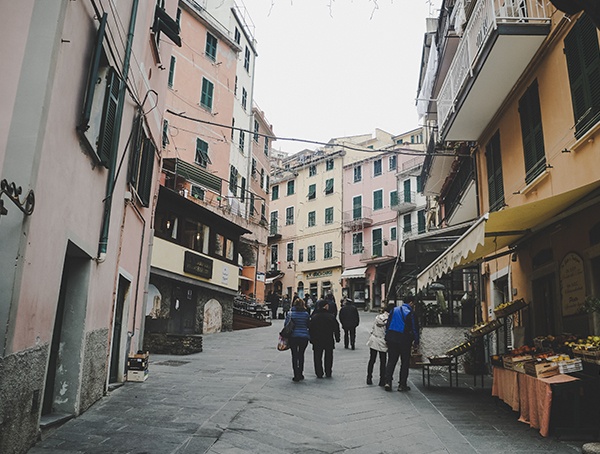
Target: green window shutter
[
  {"x": 202, "y": 158},
  {"x": 329, "y": 215},
  {"x": 532, "y": 133},
  {"x": 172, "y": 71},
  {"x": 494, "y": 170},
  {"x": 583, "y": 64},
  {"x": 419, "y": 184},
  {"x": 146, "y": 172},
  {"x": 211, "y": 46},
  {"x": 207, "y": 93},
  {"x": 312, "y": 191},
  {"x": 93, "y": 76},
  {"x": 394, "y": 198},
  {"x": 377, "y": 243},
  {"x": 135, "y": 152},
  {"x": 243, "y": 190},
  {"x": 109, "y": 118},
  {"x": 421, "y": 221},
  {"x": 329, "y": 186},
  {"x": 357, "y": 207},
  {"x": 378, "y": 200},
  {"x": 407, "y": 225}
]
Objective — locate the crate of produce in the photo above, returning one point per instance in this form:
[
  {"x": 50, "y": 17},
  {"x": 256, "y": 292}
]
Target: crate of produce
[
  {"x": 496, "y": 360},
  {"x": 569, "y": 366},
  {"x": 461, "y": 348},
  {"x": 139, "y": 361},
  {"x": 440, "y": 360},
  {"x": 137, "y": 375},
  {"x": 591, "y": 356},
  {"x": 486, "y": 328},
  {"x": 509, "y": 308},
  {"x": 541, "y": 369},
  {"x": 510, "y": 361}
]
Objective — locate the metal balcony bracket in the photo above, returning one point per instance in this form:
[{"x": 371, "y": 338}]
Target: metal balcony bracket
[{"x": 14, "y": 194}]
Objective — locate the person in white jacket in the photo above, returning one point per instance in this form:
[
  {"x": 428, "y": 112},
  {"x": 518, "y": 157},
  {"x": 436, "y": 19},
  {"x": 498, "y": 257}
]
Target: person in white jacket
[{"x": 377, "y": 345}]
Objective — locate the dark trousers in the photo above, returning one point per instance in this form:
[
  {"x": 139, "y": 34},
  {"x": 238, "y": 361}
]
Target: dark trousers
[
  {"x": 274, "y": 311},
  {"x": 297, "y": 347},
  {"x": 398, "y": 350},
  {"x": 382, "y": 364},
  {"x": 349, "y": 337},
  {"x": 318, "y": 353}
]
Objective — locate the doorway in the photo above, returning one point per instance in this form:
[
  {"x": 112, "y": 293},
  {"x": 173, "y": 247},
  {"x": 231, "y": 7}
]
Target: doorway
[
  {"x": 119, "y": 347},
  {"x": 543, "y": 319}
]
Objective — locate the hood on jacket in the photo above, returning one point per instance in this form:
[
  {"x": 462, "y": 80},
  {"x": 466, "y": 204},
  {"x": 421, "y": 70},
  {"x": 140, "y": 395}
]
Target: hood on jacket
[{"x": 381, "y": 319}]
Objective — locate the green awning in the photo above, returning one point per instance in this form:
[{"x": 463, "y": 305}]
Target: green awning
[{"x": 193, "y": 173}]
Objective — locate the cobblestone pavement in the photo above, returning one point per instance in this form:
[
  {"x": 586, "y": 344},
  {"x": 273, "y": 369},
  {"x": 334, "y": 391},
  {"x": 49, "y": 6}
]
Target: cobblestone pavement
[{"x": 237, "y": 396}]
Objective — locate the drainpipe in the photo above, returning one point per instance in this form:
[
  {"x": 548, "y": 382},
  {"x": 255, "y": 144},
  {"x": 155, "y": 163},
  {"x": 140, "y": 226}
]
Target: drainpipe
[{"x": 110, "y": 183}]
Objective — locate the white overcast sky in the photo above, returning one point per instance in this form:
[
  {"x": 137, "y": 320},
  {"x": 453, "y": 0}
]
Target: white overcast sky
[{"x": 334, "y": 68}]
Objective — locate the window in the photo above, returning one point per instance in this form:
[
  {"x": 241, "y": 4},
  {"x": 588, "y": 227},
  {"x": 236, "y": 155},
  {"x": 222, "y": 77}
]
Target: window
[
  {"x": 312, "y": 170},
  {"x": 202, "y": 158},
  {"x": 274, "y": 257},
  {"x": 235, "y": 86},
  {"x": 267, "y": 184},
  {"x": 101, "y": 99},
  {"x": 178, "y": 17},
  {"x": 393, "y": 162},
  {"x": 274, "y": 227},
  {"x": 141, "y": 163},
  {"x": 211, "y": 46},
  {"x": 421, "y": 221},
  {"x": 378, "y": 199},
  {"x": 357, "y": 207},
  {"x": 393, "y": 233},
  {"x": 357, "y": 243},
  {"x": 275, "y": 192},
  {"x": 233, "y": 176},
  {"x": 237, "y": 35},
  {"x": 377, "y": 167},
  {"x": 232, "y": 128},
  {"x": 533, "y": 136},
  {"x": 328, "y": 250},
  {"x": 312, "y": 218},
  {"x": 243, "y": 189},
  {"x": 256, "y": 128},
  {"x": 407, "y": 224},
  {"x": 197, "y": 192},
  {"x": 266, "y": 149},
  {"x": 407, "y": 196},
  {"x": 289, "y": 256},
  {"x": 252, "y": 209},
  {"x": 583, "y": 63},
  {"x": 253, "y": 168},
  {"x": 419, "y": 184},
  {"x": 244, "y": 98},
  {"x": 494, "y": 171},
  {"x": 329, "y": 164},
  {"x": 357, "y": 173},
  {"x": 165, "y": 133},
  {"x": 290, "y": 187},
  {"x": 206, "y": 100},
  {"x": 262, "y": 178},
  {"x": 247, "y": 59},
  {"x": 172, "y": 71},
  {"x": 242, "y": 141},
  {"x": 311, "y": 251},
  {"x": 289, "y": 216},
  {"x": 312, "y": 191},
  {"x": 329, "y": 215},
  {"x": 376, "y": 235},
  {"x": 300, "y": 255},
  {"x": 393, "y": 199},
  {"x": 329, "y": 186}
]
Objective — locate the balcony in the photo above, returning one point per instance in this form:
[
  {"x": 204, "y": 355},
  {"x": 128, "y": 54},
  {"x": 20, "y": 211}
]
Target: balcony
[
  {"x": 357, "y": 218},
  {"x": 499, "y": 41},
  {"x": 274, "y": 232},
  {"x": 407, "y": 201},
  {"x": 377, "y": 254}
]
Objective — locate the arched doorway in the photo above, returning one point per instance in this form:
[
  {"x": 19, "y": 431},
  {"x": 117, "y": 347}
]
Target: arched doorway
[{"x": 213, "y": 317}]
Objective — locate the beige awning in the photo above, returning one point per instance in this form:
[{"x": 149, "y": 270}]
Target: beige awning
[
  {"x": 497, "y": 230},
  {"x": 354, "y": 273},
  {"x": 270, "y": 280},
  {"x": 245, "y": 278}
]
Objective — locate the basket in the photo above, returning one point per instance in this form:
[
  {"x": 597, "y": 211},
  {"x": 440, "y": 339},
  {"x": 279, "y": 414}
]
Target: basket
[
  {"x": 512, "y": 307},
  {"x": 485, "y": 329},
  {"x": 442, "y": 360},
  {"x": 460, "y": 349},
  {"x": 591, "y": 356}
]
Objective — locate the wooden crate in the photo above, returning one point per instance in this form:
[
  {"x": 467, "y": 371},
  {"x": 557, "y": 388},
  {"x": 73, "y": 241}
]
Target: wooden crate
[
  {"x": 541, "y": 369},
  {"x": 510, "y": 361}
]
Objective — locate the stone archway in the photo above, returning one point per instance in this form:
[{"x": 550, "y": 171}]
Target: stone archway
[{"x": 213, "y": 317}]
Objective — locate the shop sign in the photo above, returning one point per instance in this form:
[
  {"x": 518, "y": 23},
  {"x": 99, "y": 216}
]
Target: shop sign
[
  {"x": 260, "y": 277},
  {"x": 318, "y": 274},
  {"x": 572, "y": 284},
  {"x": 197, "y": 265}
]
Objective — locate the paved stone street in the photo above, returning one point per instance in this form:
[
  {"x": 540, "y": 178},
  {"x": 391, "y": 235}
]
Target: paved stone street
[{"x": 237, "y": 396}]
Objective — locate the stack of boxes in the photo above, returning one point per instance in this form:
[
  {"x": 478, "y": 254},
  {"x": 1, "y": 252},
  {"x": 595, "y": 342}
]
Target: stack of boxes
[{"x": 137, "y": 366}]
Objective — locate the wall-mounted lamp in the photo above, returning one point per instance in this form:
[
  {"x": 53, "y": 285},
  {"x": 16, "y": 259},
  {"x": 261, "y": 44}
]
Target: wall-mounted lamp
[
  {"x": 168, "y": 224},
  {"x": 513, "y": 257}
]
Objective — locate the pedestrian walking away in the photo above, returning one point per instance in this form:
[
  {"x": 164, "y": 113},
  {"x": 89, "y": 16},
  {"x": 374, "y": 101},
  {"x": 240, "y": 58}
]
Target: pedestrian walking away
[
  {"x": 273, "y": 300},
  {"x": 324, "y": 332},
  {"x": 378, "y": 346},
  {"x": 331, "y": 304},
  {"x": 401, "y": 332},
  {"x": 349, "y": 319},
  {"x": 299, "y": 339}
]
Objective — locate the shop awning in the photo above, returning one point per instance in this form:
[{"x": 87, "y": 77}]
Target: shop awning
[
  {"x": 354, "y": 273},
  {"x": 496, "y": 230},
  {"x": 245, "y": 278},
  {"x": 270, "y": 280}
]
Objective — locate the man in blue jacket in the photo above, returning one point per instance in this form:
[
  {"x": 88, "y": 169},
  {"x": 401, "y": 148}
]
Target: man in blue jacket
[{"x": 402, "y": 330}]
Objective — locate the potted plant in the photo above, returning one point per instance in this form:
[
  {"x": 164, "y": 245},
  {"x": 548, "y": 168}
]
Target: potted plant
[{"x": 591, "y": 306}]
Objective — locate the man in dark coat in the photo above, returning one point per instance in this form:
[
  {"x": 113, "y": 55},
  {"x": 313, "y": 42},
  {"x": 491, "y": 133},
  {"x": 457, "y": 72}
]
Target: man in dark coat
[
  {"x": 273, "y": 300},
  {"x": 349, "y": 319},
  {"x": 330, "y": 300},
  {"x": 324, "y": 331}
]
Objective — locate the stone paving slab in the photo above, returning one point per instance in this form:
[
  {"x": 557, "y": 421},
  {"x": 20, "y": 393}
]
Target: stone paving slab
[{"x": 237, "y": 396}]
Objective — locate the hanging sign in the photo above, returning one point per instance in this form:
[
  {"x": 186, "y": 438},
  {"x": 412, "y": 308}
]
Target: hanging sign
[{"x": 572, "y": 284}]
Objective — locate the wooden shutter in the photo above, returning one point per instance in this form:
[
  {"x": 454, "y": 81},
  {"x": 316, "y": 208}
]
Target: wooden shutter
[
  {"x": 146, "y": 172},
  {"x": 532, "y": 133},
  {"x": 494, "y": 170},
  {"x": 93, "y": 76},
  {"x": 109, "y": 118}
]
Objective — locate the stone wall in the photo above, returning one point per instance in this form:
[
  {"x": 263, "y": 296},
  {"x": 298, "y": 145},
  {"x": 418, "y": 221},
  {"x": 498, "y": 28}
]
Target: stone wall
[
  {"x": 172, "y": 344},
  {"x": 437, "y": 340},
  {"x": 93, "y": 379},
  {"x": 22, "y": 379}
]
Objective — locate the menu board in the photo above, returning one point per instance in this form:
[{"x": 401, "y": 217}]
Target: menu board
[{"x": 572, "y": 284}]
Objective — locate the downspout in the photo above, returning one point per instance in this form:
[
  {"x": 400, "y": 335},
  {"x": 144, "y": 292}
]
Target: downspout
[{"x": 112, "y": 168}]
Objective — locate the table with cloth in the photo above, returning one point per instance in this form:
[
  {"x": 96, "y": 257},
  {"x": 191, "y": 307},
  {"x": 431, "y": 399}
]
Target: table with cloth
[{"x": 530, "y": 396}]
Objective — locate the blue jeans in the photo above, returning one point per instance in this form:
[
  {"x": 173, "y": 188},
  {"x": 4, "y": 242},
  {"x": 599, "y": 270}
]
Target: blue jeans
[{"x": 298, "y": 346}]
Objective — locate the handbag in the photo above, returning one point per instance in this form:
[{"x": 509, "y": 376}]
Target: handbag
[
  {"x": 282, "y": 344},
  {"x": 288, "y": 328}
]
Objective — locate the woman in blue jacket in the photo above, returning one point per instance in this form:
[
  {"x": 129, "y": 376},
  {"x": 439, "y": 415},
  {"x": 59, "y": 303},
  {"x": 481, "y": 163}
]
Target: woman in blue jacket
[{"x": 299, "y": 339}]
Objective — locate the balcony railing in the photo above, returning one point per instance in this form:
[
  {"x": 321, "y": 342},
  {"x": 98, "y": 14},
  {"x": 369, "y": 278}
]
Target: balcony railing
[
  {"x": 358, "y": 218},
  {"x": 407, "y": 200},
  {"x": 486, "y": 16},
  {"x": 274, "y": 230},
  {"x": 379, "y": 252}
]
